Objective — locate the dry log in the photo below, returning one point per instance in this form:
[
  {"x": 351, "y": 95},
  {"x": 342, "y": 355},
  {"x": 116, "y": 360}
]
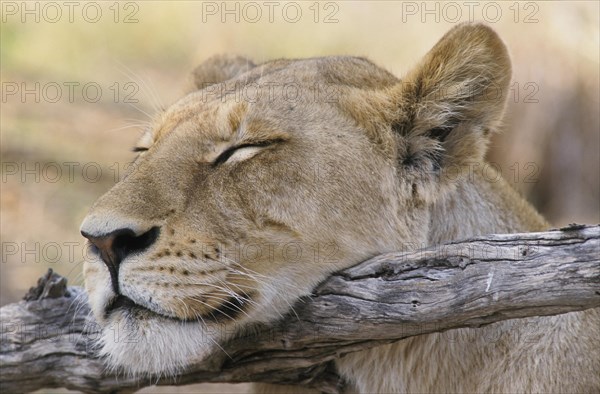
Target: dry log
[{"x": 46, "y": 340}]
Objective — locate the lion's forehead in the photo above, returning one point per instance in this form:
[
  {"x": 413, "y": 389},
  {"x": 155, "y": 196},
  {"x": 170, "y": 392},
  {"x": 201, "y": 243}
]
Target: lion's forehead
[{"x": 269, "y": 93}]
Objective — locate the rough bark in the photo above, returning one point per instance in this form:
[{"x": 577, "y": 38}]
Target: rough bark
[{"x": 46, "y": 341}]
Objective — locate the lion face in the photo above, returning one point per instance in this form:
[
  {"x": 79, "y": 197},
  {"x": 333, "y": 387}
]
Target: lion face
[
  {"x": 253, "y": 188},
  {"x": 237, "y": 208}
]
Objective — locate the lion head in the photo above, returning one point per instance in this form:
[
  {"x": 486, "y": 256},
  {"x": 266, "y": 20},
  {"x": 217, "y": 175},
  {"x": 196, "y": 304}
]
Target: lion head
[{"x": 263, "y": 180}]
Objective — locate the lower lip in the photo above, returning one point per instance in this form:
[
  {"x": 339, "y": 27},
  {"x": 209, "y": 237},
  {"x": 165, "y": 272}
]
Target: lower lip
[
  {"x": 125, "y": 303},
  {"x": 120, "y": 302}
]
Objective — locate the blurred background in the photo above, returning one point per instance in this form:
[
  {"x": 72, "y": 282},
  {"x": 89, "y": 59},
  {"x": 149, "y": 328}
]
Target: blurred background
[{"x": 80, "y": 79}]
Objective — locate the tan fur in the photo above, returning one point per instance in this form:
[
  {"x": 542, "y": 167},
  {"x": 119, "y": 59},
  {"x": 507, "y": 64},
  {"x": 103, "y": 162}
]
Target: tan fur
[{"x": 356, "y": 164}]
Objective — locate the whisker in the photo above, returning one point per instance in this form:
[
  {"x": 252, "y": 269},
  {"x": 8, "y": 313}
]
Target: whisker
[
  {"x": 231, "y": 292},
  {"x": 152, "y": 93},
  {"x": 224, "y": 301}
]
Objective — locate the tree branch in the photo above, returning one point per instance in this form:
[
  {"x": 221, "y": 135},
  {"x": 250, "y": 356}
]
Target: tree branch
[{"x": 45, "y": 342}]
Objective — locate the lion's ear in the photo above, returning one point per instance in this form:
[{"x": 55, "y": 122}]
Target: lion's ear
[
  {"x": 219, "y": 68},
  {"x": 448, "y": 105}
]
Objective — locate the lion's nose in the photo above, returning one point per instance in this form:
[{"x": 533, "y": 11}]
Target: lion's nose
[{"x": 115, "y": 246}]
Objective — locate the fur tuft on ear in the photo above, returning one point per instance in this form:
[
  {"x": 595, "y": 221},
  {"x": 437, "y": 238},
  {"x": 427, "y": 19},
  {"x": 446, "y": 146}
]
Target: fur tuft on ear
[
  {"x": 219, "y": 68},
  {"x": 448, "y": 105}
]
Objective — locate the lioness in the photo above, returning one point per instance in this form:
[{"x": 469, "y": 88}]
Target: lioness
[{"x": 334, "y": 153}]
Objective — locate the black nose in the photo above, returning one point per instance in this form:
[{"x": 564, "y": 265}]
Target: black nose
[{"x": 115, "y": 246}]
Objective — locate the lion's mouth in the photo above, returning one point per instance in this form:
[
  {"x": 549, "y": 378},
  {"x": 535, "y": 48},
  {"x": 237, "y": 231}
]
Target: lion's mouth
[
  {"x": 229, "y": 309},
  {"x": 122, "y": 302}
]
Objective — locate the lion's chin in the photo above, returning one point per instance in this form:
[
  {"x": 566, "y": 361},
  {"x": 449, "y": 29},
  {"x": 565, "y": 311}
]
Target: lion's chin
[{"x": 152, "y": 345}]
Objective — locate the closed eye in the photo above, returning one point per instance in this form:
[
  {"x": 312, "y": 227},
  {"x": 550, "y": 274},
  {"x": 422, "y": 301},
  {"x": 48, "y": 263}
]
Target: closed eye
[
  {"x": 144, "y": 142},
  {"x": 251, "y": 148}
]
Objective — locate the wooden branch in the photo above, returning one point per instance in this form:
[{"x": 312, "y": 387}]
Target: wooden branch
[{"x": 45, "y": 344}]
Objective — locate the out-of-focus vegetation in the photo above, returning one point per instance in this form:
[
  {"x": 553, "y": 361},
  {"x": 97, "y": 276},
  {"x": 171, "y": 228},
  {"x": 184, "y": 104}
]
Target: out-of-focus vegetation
[{"x": 549, "y": 149}]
